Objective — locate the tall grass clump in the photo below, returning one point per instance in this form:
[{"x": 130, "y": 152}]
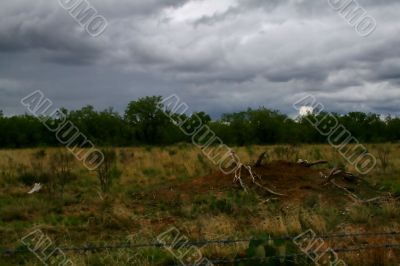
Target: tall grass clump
[
  {"x": 60, "y": 164},
  {"x": 383, "y": 154},
  {"x": 108, "y": 172},
  {"x": 37, "y": 172}
]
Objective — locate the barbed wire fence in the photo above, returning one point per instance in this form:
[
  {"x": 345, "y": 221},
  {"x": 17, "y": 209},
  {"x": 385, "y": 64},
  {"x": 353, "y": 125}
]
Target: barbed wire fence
[
  {"x": 6, "y": 252},
  {"x": 302, "y": 254}
]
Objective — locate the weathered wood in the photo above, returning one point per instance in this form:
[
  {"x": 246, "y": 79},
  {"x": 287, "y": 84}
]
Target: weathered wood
[
  {"x": 238, "y": 175},
  {"x": 260, "y": 159},
  {"x": 308, "y": 164}
]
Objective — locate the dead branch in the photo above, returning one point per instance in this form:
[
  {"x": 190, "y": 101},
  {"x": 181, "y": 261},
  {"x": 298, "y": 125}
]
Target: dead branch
[
  {"x": 252, "y": 175},
  {"x": 336, "y": 172},
  {"x": 308, "y": 164},
  {"x": 372, "y": 200},
  {"x": 260, "y": 159},
  {"x": 350, "y": 176},
  {"x": 248, "y": 168},
  {"x": 332, "y": 174},
  {"x": 238, "y": 176},
  {"x": 354, "y": 196},
  {"x": 269, "y": 190}
]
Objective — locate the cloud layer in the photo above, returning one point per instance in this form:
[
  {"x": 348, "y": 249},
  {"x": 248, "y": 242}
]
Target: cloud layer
[{"x": 218, "y": 56}]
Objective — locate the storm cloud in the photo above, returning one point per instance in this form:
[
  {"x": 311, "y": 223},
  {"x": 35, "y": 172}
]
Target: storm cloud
[{"x": 218, "y": 56}]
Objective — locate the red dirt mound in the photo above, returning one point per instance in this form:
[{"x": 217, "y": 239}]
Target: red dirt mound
[{"x": 294, "y": 180}]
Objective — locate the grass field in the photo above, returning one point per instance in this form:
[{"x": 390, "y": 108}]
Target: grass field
[{"x": 156, "y": 188}]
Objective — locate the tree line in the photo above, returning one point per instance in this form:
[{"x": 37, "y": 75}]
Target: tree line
[{"x": 144, "y": 123}]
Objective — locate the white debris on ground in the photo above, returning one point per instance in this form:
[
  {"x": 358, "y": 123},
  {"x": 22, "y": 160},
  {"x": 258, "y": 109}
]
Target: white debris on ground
[{"x": 36, "y": 188}]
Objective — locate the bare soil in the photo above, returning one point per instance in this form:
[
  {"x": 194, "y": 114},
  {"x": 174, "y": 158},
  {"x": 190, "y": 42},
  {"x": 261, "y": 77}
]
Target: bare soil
[{"x": 294, "y": 180}]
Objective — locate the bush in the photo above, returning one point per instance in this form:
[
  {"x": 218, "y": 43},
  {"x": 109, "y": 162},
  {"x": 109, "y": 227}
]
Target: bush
[
  {"x": 383, "y": 156},
  {"x": 36, "y": 173},
  {"x": 36, "y": 161},
  {"x": 108, "y": 172},
  {"x": 61, "y": 171},
  {"x": 29, "y": 177},
  {"x": 221, "y": 205}
]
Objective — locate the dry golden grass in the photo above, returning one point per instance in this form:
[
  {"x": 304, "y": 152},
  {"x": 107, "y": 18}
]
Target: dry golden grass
[{"x": 83, "y": 216}]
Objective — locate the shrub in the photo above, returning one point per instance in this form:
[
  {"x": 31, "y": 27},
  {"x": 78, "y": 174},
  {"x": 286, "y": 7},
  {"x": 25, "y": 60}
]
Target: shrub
[
  {"x": 37, "y": 172},
  {"x": 61, "y": 171},
  {"x": 37, "y": 162},
  {"x": 108, "y": 172},
  {"x": 383, "y": 156},
  {"x": 29, "y": 177},
  {"x": 220, "y": 205}
]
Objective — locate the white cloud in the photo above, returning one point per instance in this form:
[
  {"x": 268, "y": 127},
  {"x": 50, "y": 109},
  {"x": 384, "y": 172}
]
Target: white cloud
[{"x": 194, "y": 10}]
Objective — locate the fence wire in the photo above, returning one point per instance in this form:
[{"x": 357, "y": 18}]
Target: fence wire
[
  {"x": 199, "y": 243},
  {"x": 293, "y": 255}
]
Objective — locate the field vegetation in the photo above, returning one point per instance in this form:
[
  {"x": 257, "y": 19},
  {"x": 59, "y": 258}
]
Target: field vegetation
[{"x": 141, "y": 192}]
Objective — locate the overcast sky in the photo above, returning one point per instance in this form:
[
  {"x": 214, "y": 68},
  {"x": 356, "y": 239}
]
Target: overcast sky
[{"x": 217, "y": 55}]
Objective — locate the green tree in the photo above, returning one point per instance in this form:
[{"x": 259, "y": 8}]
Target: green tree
[
  {"x": 147, "y": 118},
  {"x": 205, "y": 118},
  {"x": 241, "y": 131},
  {"x": 393, "y": 129}
]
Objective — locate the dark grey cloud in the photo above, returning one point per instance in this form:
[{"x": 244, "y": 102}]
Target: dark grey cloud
[{"x": 218, "y": 56}]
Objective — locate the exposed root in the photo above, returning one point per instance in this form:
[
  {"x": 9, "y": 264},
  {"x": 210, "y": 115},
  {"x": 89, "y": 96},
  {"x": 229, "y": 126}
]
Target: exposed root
[{"x": 238, "y": 176}]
